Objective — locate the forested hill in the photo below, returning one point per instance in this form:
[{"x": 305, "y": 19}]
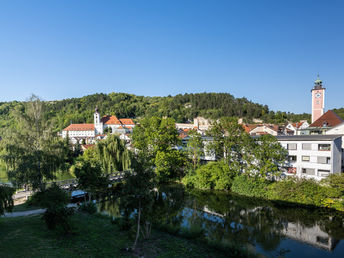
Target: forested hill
[{"x": 180, "y": 107}]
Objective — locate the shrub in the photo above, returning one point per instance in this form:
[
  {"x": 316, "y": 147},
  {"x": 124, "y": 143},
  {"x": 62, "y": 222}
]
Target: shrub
[
  {"x": 54, "y": 199},
  {"x": 89, "y": 207},
  {"x": 251, "y": 186},
  {"x": 214, "y": 175},
  {"x": 6, "y": 200}
]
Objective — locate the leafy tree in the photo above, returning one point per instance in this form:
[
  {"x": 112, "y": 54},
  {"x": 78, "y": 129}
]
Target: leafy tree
[
  {"x": 6, "y": 200},
  {"x": 113, "y": 154},
  {"x": 157, "y": 139},
  {"x": 138, "y": 195},
  {"x": 90, "y": 177},
  {"x": 57, "y": 214},
  {"x": 269, "y": 156},
  {"x": 195, "y": 148},
  {"x": 32, "y": 152}
]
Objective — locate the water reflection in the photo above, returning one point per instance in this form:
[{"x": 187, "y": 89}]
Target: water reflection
[{"x": 259, "y": 225}]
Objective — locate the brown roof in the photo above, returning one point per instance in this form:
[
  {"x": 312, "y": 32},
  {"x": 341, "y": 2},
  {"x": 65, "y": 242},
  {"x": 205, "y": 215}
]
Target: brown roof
[
  {"x": 87, "y": 146},
  {"x": 329, "y": 119},
  {"x": 249, "y": 127},
  {"x": 110, "y": 120},
  {"x": 127, "y": 121},
  {"x": 79, "y": 127}
]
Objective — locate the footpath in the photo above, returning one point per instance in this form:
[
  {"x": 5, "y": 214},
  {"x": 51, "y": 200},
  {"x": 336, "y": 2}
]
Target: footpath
[{"x": 28, "y": 213}]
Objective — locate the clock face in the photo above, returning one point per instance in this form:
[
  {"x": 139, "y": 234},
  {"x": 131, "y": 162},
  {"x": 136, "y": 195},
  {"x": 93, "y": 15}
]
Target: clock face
[{"x": 318, "y": 95}]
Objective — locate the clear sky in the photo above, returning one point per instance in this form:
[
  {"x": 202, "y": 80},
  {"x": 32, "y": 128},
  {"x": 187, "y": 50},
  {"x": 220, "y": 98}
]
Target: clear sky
[{"x": 267, "y": 51}]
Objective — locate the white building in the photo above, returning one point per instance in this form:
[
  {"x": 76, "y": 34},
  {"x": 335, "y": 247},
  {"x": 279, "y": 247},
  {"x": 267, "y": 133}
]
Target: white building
[
  {"x": 89, "y": 132},
  {"x": 313, "y": 156}
]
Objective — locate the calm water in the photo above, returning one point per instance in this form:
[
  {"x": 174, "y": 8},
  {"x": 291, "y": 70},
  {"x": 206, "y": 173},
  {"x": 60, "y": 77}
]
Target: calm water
[{"x": 255, "y": 224}]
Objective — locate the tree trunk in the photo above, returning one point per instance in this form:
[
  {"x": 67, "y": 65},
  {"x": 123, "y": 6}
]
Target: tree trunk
[{"x": 138, "y": 226}]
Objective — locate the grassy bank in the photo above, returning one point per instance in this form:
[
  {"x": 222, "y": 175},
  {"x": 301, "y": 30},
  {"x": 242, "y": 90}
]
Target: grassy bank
[{"x": 93, "y": 236}]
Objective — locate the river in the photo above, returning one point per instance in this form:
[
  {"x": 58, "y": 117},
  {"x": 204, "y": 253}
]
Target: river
[{"x": 258, "y": 225}]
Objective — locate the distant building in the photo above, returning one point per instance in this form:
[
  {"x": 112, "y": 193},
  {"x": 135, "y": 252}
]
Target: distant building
[
  {"x": 296, "y": 128},
  {"x": 89, "y": 132}
]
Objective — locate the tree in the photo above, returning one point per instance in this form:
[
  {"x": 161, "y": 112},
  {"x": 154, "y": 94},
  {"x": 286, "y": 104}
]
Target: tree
[
  {"x": 157, "y": 139},
  {"x": 138, "y": 195},
  {"x": 269, "y": 157},
  {"x": 90, "y": 177},
  {"x": 113, "y": 154},
  {"x": 231, "y": 142},
  {"x": 32, "y": 152},
  {"x": 195, "y": 148},
  {"x": 6, "y": 200}
]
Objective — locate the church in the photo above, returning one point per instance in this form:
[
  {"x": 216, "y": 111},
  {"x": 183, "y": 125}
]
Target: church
[{"x": 89, "y": 132}]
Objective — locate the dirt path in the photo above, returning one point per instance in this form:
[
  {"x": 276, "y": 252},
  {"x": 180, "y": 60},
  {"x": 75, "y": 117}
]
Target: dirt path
[{"x": 28, "y": 213}]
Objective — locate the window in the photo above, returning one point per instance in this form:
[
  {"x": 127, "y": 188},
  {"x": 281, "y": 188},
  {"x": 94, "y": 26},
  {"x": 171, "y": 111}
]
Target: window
[
  {"x": 305, "y": 158},
  {"x": 308, "y": 171},
  {"x": 306, "y": 146},
  {"x": 324, "y": 160},
  {"x": 324, "y": 147},
  {"x": 292, "y": 146},
  {"x": 292, "y": 158},
  {"x": 323, "y": 172},
  {"x": 322, "y": 240}
]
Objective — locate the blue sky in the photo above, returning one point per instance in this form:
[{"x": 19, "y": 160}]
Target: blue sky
[{"x": 267, "y": 51}]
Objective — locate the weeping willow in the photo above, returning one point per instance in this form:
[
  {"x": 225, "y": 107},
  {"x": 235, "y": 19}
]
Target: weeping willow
[{"x": 113, "y": 154}]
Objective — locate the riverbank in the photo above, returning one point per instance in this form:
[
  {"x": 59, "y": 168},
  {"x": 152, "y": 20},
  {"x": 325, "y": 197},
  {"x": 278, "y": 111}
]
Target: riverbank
[{"x": 93, "y": 236}]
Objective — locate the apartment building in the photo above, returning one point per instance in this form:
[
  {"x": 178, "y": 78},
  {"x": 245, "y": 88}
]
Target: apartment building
[{"x": 313, "y": 156}]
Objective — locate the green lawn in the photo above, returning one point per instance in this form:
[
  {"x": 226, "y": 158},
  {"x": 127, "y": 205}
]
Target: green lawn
[
  {"x": 93, "y": 236},
  {"x": 3, "y": 175}
]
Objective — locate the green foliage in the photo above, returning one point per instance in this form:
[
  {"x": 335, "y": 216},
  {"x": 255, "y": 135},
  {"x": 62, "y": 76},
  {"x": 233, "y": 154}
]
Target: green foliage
[
  {"x": 156, "y": 139},
  {"x": 269, "y": 157},
  {"x": 32, "y": 152},
  {"x": 335, "y": 182},
  {"x": 169, "y": 165},
  {"x": 57, "y": 214},
  {"x": 113, "y": 154},
  {"x": 251, "y": 186},
  {"x": 195, "y": 148},
  {"x": 214, "y": 175},
  {"x": 6, "y": 200},
  {"x": 90, "y": 177},
  {"x": 88, "y": 207}
]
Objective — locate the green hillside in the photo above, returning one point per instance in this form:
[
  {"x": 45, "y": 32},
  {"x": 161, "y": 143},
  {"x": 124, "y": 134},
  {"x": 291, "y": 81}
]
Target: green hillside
[{"x": 180, "y": 107}]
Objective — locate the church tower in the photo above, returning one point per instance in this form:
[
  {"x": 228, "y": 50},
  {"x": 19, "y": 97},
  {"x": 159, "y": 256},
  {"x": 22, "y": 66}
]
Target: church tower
[
  {"x": 98, "y": 125},
  {"x": 318, "y": 99}
]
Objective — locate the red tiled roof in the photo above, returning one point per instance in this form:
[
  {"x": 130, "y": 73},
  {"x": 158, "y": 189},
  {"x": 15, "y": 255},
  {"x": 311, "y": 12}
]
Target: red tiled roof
[
  {"x": 249, "y": 127},
  {"x": 127, "y": 121},
  {"x": 110, "y": 120},
  {"x": 329, "y": 119},
  {"x": 79, "y": 127},
  {"x": 298, "y": 124}
]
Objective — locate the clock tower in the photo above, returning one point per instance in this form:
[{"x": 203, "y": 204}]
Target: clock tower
[{"x": 318, "y": 99}]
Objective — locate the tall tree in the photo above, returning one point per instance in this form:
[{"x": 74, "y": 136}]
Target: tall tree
[
  {"x": 195, "y": 148},
  {"x": 32, "y": 152},
  {"x": 158, "y": 139}
]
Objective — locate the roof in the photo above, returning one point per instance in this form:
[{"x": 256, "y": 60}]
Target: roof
[
  {"x": 87, "y": 146},
  {"x": 110, "y": 120},
  {"x": 127, "y": 121},
  {"x": 249, "y": 127},
  {"x": 79, "y": 127},
  {"x": 316, "y": 137},
  {"x": 329, "y": 119}
]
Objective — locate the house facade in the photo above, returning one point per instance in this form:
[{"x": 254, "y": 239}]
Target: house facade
[{"x": 313, "y": 156}]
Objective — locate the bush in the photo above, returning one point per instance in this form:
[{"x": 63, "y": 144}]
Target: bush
[
  {"x": 214, "y": 175},
  {"x": 89, "y": 207},
  {"x": 6, "y": 200},
  {"x": 251, "y": 186},
  {"x": 55, "y": 200}
]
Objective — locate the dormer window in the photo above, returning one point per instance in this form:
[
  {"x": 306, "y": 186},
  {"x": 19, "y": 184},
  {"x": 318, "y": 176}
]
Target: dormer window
[{"x": 325, "y": 124}]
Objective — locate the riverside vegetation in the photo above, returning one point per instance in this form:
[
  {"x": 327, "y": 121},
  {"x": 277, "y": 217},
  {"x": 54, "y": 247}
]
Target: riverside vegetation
[{"x": 249, "y": 166}]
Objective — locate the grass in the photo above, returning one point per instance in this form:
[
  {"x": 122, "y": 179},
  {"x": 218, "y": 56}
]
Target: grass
[
  {"x": 24, "y": 207},
  {"x": 93, "y": 236},
  {"x": 3, "y": 174}
]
